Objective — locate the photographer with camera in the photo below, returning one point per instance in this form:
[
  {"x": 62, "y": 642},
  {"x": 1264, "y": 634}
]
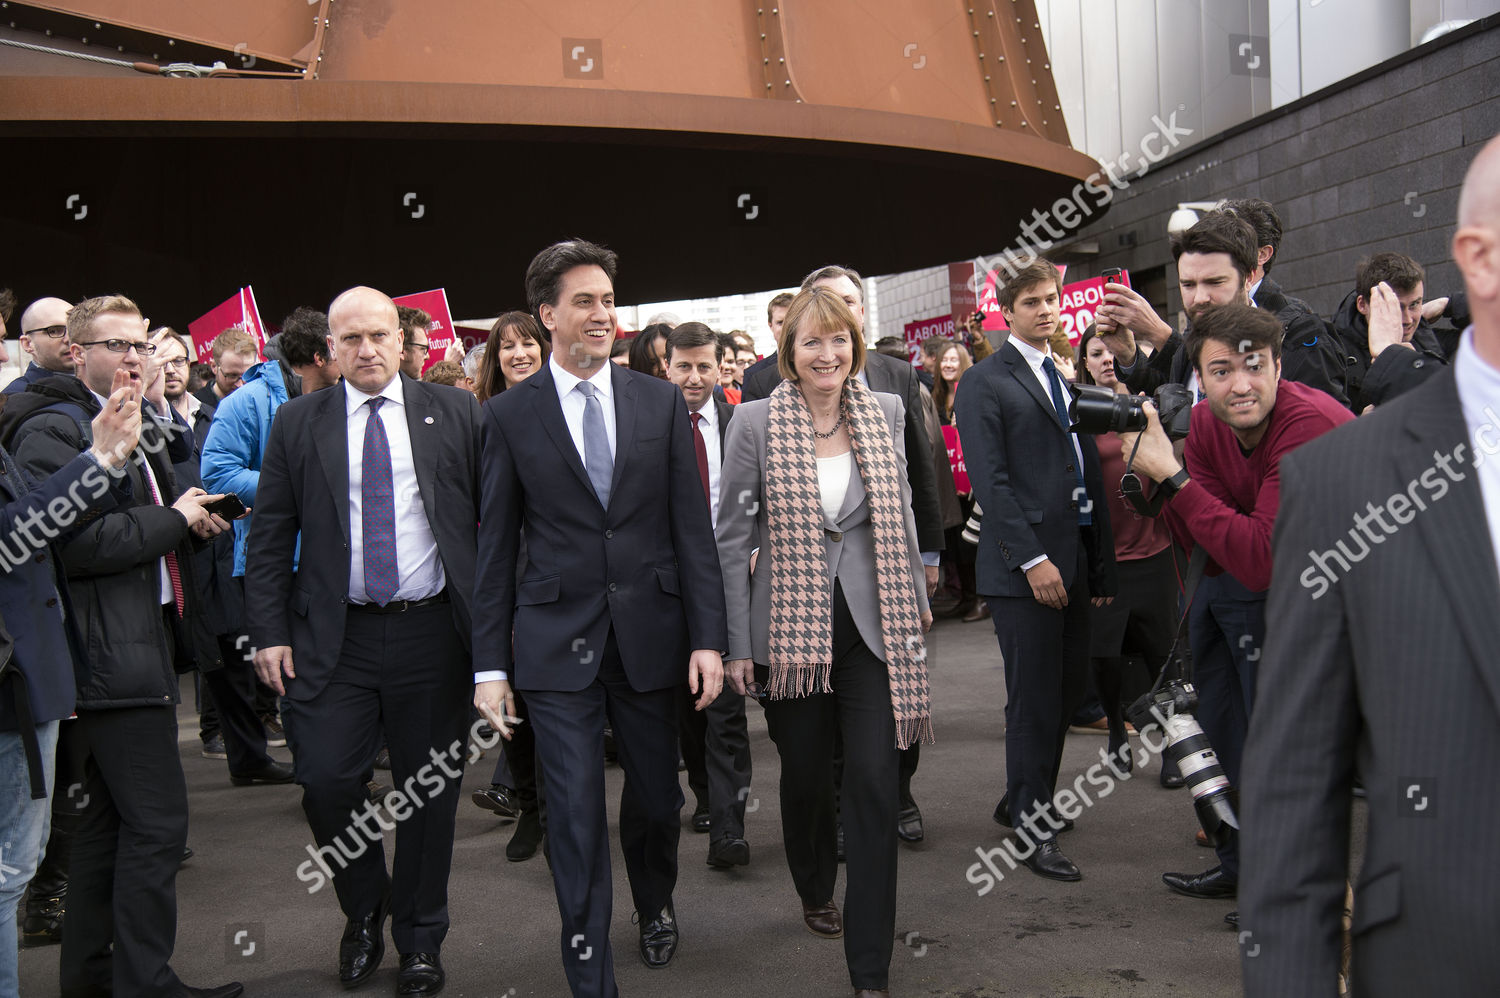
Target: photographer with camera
[{"x": 1225, "y": 501}]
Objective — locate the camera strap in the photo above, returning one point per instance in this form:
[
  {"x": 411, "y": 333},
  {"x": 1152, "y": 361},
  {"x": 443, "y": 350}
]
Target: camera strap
[
  {"x": 1134, "y": 491},
  {"x": 1178, "y": 661}
]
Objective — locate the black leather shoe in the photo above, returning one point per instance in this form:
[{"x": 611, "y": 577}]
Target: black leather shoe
[
  {"x": 231, "y": 990},
  {"x": 42, "y": 925},
  {"x": 909, "y": 822},
  {"x": 1002, "y": 817},
  {"x": 701, "y": 821},
  {"x": 729, "y": 851},
  {"x": 271, "y": 772},
  {"x": 1208, "y": 885},
  {"x": 498, "y": 799},
  {"x": 420, "y": 974},
  {"x": 1233, "y": 918},
  {"x": 528, "y": 835},
  {"x": 659, "y": 938},
  {"x": 1048, "y": 861},
  {"x": 1171, "y": 779},
  {"x": 363, "y": 945}
]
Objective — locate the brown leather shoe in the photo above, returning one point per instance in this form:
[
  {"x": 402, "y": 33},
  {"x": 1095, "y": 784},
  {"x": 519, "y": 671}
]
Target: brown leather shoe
[
  {"x": 824, "y": 920},
  {"x": 981, "y": 611}
]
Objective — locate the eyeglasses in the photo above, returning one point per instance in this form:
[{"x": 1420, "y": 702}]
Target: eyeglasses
[
  {"x": 417, "y": 346},
  {"x": 123, "y": 346},
  {"x": 175, "y": 362},
  {"x": 55, "y": 332}
]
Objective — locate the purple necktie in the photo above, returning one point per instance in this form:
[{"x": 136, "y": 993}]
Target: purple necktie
[{"x": 377, "y": 510}]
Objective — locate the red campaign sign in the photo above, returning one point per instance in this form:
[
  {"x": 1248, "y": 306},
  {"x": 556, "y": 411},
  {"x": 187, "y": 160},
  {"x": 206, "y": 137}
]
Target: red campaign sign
[
  {"x": 238, "y": 312},
  {"x": 956, "y": 458},
  {"x": 440, "y": 333},
  {"x": 472, "y": 337},
  {"x": 920, "y": 330},
  {"x": 1080, "y": 301}
]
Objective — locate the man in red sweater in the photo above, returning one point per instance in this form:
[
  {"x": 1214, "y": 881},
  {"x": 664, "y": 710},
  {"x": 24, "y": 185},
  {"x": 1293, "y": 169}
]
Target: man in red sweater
[{"x": 1225, "y": 500}]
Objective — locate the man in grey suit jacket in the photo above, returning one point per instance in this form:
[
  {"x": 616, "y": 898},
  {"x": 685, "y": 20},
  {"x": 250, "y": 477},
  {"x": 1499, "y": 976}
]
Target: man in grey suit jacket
[{"x": 1380, "y": 658}]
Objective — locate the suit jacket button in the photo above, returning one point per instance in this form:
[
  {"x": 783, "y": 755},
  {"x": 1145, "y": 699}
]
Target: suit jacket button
[
  {"x": 608, "y": 534},
  {"x": 1070, "y": 467},
  {"x": 612, "y": 587},
  {"x": 52, "y": 601},
  {"x": 40, "y": 558}
]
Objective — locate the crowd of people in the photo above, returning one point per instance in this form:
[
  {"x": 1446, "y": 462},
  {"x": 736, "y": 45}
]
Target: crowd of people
[{"x": 599, "y": 549}]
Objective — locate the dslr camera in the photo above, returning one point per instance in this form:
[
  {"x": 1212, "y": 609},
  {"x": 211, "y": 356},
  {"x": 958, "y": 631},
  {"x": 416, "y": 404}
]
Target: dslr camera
[
  {"x": 1171, "y": 707},
  {"x": 1097, "y": 410}
]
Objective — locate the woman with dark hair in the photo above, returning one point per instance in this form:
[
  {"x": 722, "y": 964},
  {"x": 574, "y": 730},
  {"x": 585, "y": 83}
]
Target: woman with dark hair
[
  {"x": 649, "y": 349},
  {"x": 958, "y": 558},
  {"x": 832, "y": 615},
  {"x": 516, "y": 350},
  {"x": 1140, "y": 622}
]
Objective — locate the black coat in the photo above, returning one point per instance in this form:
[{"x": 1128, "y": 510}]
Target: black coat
[
  {"x": 112, "y": 565},
  {"x": 1395, "y": 371}
]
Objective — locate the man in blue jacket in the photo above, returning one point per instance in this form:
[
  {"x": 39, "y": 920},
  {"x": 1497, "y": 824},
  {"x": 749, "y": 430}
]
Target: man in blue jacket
[
  {"x": 236, "y": 441},
  {"x": 39, "y": 652}
]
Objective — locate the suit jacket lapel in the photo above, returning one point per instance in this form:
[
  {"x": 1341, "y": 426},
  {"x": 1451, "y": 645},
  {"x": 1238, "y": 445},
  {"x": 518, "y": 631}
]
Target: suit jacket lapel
[
  {"x": 330, "y": 433},
  {"x": 550, "y": 415},
  {"x": 424, "y": 425},
  {"x": 624, "y": 392},
  {"x": 1022, "y": 372},
  {"x": 1452, "y": 532}
]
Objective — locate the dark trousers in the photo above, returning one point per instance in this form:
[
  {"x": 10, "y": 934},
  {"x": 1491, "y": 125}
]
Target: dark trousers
[
  {"x": 233, "y": 690},
  {"x": 805, "y": 730},
  {"x": 1046, "y": 655},
  {"x": 518, "y": 768},
  {"x": 1226, "y": 630},
  {"x": 1139, "y": 625},
  {"x": 121, "y": 924},
  {"x": 570, "y": 743},
  {"x": 402, "y": 678},
  {"x": 716, "y": 748}
]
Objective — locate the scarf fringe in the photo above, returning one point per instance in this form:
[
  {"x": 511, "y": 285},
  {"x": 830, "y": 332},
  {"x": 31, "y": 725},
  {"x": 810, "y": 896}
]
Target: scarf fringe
[
  {"x": 792, "y": 680},
  {"x": 910, "y": 730}
]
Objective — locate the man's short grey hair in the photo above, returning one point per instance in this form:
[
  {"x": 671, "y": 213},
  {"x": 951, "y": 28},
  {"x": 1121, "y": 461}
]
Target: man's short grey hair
[
  {"x": 833, "y": 272},
  {"x": 471, "y": 362}
]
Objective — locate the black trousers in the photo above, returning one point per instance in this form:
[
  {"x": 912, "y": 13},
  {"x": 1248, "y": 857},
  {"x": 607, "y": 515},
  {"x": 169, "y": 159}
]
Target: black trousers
[
  {"x": 570, "y": 744},
  {"x": 404, "y": 679},
  {"x": 1046, "y": 655},
  {"x": 716, "y": 748},
  {"x": 1226, "y": 629},
  {"x": 233, "y": 690},
  {"x": 121, "y": 925},
  {"x": 805, "y": 730}
]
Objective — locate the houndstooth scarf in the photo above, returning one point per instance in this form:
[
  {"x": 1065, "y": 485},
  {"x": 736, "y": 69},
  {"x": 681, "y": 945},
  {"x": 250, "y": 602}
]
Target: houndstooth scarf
[{"x": 801, "y": 649}]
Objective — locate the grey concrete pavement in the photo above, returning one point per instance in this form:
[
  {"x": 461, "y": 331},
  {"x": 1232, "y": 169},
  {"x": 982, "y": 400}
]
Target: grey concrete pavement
[{"x": 1118, "y": 932}]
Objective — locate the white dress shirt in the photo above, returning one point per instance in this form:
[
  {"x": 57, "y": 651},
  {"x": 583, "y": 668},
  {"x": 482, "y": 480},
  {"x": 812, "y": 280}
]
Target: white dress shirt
[
  {"x": 1479, "y": 394},
  {"x": 1034, "y": 358},
  {"x": 418, "y": 566},
  {"x": 708, "y": 428},
  {"x": 573, "y": 402}
]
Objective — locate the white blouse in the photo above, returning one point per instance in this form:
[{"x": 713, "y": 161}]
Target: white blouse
[{"x": 833, "y": 484}]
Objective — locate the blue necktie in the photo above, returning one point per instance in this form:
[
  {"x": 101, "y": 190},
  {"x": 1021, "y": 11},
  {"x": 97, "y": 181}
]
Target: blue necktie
[
  {"x": 597, "y": 460},
  {"x": 377, "y": 510},
  {"x": 1080, "y": 494}
]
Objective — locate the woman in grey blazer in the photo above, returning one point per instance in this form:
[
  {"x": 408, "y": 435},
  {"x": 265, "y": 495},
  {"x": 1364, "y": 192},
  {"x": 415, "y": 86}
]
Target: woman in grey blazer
[{"x": 826, "y": 594}]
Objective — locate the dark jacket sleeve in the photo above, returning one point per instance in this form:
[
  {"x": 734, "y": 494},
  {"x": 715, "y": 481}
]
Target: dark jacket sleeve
[
  {"x": 1150, "y": 373},
  {"x": 920, "y": 473},
  {"x": 270, "y": 549},
  {"x": 69, "y": 499},
  {"x": 1309, "y": 355},
  {"x": 114, "y": 542},
  {"x": 499, "y": 537},
  {"x": 980, "y": 427},
  {"x": 1398, "y": 369}
]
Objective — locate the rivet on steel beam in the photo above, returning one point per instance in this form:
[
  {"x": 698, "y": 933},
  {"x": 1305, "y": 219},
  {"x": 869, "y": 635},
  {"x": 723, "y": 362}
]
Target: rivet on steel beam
[
  {"x": 775, "y": 11},
  {"x": 170, "y": 41},
  {"x": 1012, "y": 103},
  {"x": 986, "y": 79},
  {"x": 84, "y": 40},
  {"x": 989, "y": 13},
  {"x": 976, "y": 34},
  {"x": 992, "y": 100},
  {"x": 788, "y": 83},
  {"x": 1001, "y": 59},
  {"x": 1046, "y": 65},
  {"x": 783, "y": 61},
  {"x": 98, "y": 26},
  {"x": 766, "y": 61},
  {"x": 768, "y": 86}
]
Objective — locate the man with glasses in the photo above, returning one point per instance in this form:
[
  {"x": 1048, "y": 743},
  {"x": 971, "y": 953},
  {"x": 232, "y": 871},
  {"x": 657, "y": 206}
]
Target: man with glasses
[
  {"x": 414, "y": 325},
  {"x": 44, "y": 335},
  {"x": 232, "y": 354},
  {"x": 129, "y": 571}
]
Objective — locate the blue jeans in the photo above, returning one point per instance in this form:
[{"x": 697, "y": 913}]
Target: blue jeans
[{"x": 23, "y": 831}]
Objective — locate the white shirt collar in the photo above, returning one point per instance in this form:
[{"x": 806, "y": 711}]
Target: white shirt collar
[
  {"x": 709, "y": 411},
  {"x": 354, "y": 398},
  {"x": 1029, "y": 353},
  {"x": 567, "y": 381}
]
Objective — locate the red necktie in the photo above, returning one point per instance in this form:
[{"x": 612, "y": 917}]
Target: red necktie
[
  {"x": 701, "y": 450},
  {"x": 173, "y": 572}
]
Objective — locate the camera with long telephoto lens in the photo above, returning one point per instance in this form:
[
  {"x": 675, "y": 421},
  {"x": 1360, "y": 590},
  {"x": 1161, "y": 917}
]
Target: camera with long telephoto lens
[
  {"x": 1098, "y": 410},
  {"x": 1171, "y": 707}
]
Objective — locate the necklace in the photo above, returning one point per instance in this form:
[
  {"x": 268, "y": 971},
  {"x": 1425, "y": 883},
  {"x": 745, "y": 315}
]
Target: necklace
[{"x": 833, "y": 429}]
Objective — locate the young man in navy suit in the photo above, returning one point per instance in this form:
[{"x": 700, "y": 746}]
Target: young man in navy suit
[{"x": 621, "y": 587}]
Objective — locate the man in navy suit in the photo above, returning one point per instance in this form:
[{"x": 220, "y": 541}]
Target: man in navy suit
[
  {"x": 621, "y": 587},
  {"x": 1045, "y": 550}
]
